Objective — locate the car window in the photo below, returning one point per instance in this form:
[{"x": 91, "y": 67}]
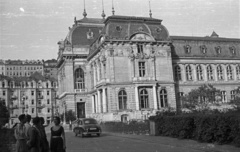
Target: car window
[{"x": 90, "y": 121}]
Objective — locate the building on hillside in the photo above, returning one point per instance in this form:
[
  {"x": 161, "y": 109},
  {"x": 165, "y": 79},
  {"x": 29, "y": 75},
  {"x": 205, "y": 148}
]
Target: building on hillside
[
  {"x": 127, "y": 67},
  {"x": 2, "y": 67},
  {"x": 22, "y": 68},
  {"x": 34, "y": 95},
  {"x": 50, "y": 69}
]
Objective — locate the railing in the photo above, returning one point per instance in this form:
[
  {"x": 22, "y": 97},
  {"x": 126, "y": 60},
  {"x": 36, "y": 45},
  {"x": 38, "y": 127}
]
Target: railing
[
  {"x": 40, "y": 97},
  {"x": 80, "y": 90},
  {"x": 14, "y": 97}
]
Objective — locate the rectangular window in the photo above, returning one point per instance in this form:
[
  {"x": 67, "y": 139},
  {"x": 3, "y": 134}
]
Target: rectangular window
[
  {"x": 140, "y": 48},
  {"x": 32, "y": 92},
  {"x": 48, "y": 101},
  {"x": 4, "y": 93},
  {"x": 49, "y": 110},
  {"x": 233, "y": 94},
  {"x": 224, "y": 96},
  {"x": 32, "y": 102},
  {"x": 142, "y": 69},
  {"x": 32, "y": 110},
  {"x": 48, "y": 93}
]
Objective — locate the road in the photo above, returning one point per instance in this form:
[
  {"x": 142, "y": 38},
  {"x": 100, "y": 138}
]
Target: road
[{"x": 109, "y": 142}]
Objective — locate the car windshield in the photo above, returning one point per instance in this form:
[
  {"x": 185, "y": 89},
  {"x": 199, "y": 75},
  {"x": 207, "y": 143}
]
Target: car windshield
[{"x": 90, "y": 121}]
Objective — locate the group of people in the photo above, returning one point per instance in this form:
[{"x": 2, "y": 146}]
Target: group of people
[{"x": 32, "y": 138}]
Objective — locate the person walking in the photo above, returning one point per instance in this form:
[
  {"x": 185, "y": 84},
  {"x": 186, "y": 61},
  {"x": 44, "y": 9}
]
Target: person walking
[
  {"x": 57, "y": 139},
  {"x": 21, "y": 144},
  {"x": 44, "y": 142},
  {"x": 34, "y": 136}
]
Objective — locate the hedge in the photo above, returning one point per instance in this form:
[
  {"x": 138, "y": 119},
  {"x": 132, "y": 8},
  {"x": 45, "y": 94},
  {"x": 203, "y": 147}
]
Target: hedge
[
  {"x": 132, "y": 127},
  {"x": 212, "y": 128}
]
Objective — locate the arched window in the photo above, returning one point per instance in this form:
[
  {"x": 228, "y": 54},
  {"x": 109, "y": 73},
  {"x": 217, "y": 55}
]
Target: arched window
[
  {"x": 122, "y": 99},
  {"x": 199, "y": 73},
  {"x": 178, "y": 76},
  {"x": 209, "y": 73},
  {"x": 229, "y": 72},
  {"x": 163, "y": 98},
  {"x": 238, "y": 72},
  {"x": 220, "y": 72},
  {"x": 144, "y": 99},
  {"x": 47, "y": 85},
  {"x": 188, "y": 73},
  {"x": 3, "y": 84},
  {"x": 79, "y": 79}
]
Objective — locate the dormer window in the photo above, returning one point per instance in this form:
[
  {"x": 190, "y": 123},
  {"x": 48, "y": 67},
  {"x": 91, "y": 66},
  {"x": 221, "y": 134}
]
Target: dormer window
[
  {"x": 119, "y": 28},
  {"x": 187, "y": 49},
  {"x": 203, "y": 49},
  {"x": 232, "y": 50},
  {"x": 140, "y": 48},
  {"x": 218, "y": 49},
  {"x": 89, "y": 34}
]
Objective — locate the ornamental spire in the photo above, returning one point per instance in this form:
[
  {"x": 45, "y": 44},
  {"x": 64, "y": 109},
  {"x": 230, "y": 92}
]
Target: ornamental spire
[
  {"x": 150, "y": 12},
  {"x": 103, "y": 14},
  {"x": 84, "y": 11},
  {"x": 113, "y": 11}
]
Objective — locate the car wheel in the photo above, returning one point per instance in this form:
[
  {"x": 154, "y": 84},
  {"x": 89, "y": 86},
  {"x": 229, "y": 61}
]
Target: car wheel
[{"x": 98, "y": 135}]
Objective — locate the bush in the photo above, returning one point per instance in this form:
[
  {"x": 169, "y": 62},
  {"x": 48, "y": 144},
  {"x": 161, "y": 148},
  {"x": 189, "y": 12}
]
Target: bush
[{"x": 218, "y": 128}]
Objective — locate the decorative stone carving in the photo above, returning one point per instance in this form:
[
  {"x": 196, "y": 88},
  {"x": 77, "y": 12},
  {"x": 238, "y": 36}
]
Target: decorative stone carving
[
  {"x": 187, "y": 49},
  {"x": 90, "y": 34},
  {"x": 152, "y": 54},
  {"x": 232, "y": 50},
  {"x": 203, "y": 49},
  {"x": 218, "y": 49},
  {"x": 142, "y": 56},
  {"x": 131, "y": 54},
  {"x": 140, "y": 29},
  {"x": 102, "y": 58}
]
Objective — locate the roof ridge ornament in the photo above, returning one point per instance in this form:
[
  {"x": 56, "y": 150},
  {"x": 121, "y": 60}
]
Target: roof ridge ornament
[
  {"x": 113, "y": 11},
  {"x": 150, "y": 11},
  {"x": 103, "y": 14},
  {"x": 84, "y": 10}
]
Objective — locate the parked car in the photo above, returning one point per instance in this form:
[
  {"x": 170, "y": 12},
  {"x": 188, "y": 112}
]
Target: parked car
[{"x": 86, "y": 126}]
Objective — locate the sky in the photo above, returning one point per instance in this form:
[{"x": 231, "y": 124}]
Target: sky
[{"x": 30, "y": 29}]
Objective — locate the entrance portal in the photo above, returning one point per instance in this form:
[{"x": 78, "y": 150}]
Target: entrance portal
[{"x": 81, "y": 109}]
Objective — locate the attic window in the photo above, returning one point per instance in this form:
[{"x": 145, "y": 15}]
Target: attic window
[
  {"x": 232, "y": 50},
  {"x": 218, "y": 49},
  {"x": 187, "y": 49},
  {"x": 203, "y": 49},
  {"x": 89, "y": 34},
  {"x": 158, "y": 29},
  {"x": 119, "y": 28}
]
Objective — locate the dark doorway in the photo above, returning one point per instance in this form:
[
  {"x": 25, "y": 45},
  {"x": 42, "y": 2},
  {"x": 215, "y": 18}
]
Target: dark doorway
[{"x": 81, "y": 110}]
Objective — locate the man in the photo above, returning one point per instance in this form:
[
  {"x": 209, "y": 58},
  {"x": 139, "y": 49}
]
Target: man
[
  {"x": 33, "y": 142},
  {"x": 27, "y": 125},
  {"x": 21, "y": 145}
]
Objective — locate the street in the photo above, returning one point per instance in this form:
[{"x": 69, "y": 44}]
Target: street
[{"x": 109, "y": 142}]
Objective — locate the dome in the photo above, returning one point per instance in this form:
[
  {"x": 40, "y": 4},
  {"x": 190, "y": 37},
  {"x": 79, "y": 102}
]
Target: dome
[
  {"x": 127, "y": 28},
  {"x": 85, "y": 31}
]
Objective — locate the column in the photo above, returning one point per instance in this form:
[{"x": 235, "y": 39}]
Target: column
[
  {"x": 136, "y": 98},
  {"x": 215, "y": 72},
  {"x": 99, "y": 101},
  {"x": 225, "y": 77},
  {"x": 205, "y": 77},
  {"x": 93, "y": 105},
  {"x": 96, "y": 102},
  {"x": 104, "y": 100},
  {"x": 155, "y": 97},
  {"x": 183, "y": 73},
  {"x": 94, "y": 76}
]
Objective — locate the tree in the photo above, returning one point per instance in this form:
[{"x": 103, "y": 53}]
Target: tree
[
  {"x": 70, "y": 115},
  {"x": 4, "y": 115},
  {"x": 235, "y": 101},
  {"x": 202, "y": 98}
]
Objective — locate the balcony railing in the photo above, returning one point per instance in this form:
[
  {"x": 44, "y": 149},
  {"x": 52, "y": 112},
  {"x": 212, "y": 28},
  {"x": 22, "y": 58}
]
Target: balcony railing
[
  {"x": 13, "y": 106},
  {"x": 40, "y": 97},
  {"x": 14, "y": 97},
  {"x": 80, "y": 90}
]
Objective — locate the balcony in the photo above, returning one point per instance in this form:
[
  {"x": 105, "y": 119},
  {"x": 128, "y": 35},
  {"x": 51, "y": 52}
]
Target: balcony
[
  {"x": 40, "y": 97},
  {"x": 13, "y": 97},
  {"x": 41, "y": 106},
  {"x": 80, "y": 90},
  {"x": 13, "y": 106}
]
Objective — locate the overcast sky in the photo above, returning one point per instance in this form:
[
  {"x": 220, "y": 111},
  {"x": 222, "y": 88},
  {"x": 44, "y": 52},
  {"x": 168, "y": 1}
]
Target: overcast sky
[{"x": 30, "y": 29}]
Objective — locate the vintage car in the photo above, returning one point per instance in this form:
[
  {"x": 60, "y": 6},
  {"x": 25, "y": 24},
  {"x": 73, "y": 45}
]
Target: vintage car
[{"x": 86, "y": 126}]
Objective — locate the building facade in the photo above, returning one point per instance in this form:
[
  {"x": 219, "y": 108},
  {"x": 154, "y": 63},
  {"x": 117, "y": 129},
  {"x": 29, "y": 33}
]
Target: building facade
[
  {"x": 124, "y": 68},
  {"x": 50, "y": 69},
  {"x": 22, "y": 68},
  {"x": 34, "y": 95}
]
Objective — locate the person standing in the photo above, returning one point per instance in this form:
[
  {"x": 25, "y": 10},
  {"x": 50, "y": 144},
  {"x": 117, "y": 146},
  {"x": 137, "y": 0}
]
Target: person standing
[
  {"x": 27, "y": 125},
  {"x": 44, "y": 142},
  {"x": 57, "y": 139},
  {"x": 34, "y": 136},
  {"x": 21, "y": 144}
]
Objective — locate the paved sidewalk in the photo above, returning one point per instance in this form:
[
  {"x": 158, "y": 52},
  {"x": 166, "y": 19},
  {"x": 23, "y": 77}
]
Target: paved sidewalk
[{"x": 174, "y": 142}]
